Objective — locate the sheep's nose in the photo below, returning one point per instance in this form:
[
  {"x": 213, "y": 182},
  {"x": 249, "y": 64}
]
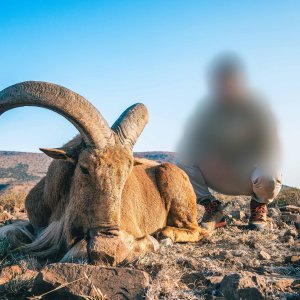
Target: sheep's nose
[{"x": 111, "y": 231}]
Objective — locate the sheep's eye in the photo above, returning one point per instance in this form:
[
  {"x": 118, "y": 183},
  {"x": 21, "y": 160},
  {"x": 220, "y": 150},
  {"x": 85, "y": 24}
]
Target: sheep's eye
[{"x": 84, "y": 170}]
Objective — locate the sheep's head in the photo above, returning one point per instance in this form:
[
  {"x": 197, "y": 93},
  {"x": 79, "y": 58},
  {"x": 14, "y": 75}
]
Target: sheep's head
[
  {"x": 96, "y": 189},
  {"x": 103, "y": 163}
]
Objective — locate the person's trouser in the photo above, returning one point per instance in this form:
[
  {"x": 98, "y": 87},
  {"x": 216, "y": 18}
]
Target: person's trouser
[{"x": 264, "y": 188}]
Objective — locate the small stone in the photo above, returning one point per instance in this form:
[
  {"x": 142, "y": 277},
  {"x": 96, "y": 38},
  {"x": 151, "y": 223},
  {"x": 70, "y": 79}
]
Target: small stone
[
  {"x": 295, "y": 259},
  {"x": 297, "y": 225},
  {"x": 237, "y": 222},
  {"x": 188, "y": 263},
  {"x": 254, "y": 263},
  {"x": 238, "y": 253},
  {"x": 215, "y": 279},
  {"x": 11, "y": 272},
  {"x": 238, "y": 215},
  {"x": 8, "y": 273},
  {"x": 284, "y": 283},
  {"x": 289, "y": 217},
  {"x": 192, "y": 278},
  {"x": 4, "y": 216},
  {"x": 281, "y": 224},
  {"x": 238, "y": 265},
  {"x": 290, "y": 208},
  {"x": 288, "y": 239},
  {"x": 274, "y": 212},
  {"x": 222, "y": 255},
  {"x": 264, "y": 255},
  {"x": 291, "y": 232},
  {"x": 167, "y": 242}
]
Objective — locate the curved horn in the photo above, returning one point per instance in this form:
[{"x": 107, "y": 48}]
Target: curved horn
[
  {"x": 80, "y": 112},
  {"x": 131, "y": 123}
]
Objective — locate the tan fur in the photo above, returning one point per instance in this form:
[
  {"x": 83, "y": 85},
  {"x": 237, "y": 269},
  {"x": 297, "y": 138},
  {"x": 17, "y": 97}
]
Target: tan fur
[
  {"x": 145, "y": 199},
  {"x": 137, "y": 196},
  {"x": 95, "y": 190},
  {"x": 97, "y": 194}
]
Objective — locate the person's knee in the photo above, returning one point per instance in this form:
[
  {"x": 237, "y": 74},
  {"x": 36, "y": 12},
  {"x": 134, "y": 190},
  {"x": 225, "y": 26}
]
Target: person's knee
[{"x": 266, "y": 189}]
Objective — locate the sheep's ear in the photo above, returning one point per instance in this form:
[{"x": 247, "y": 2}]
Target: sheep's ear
[{"x": 57, "y": 153}]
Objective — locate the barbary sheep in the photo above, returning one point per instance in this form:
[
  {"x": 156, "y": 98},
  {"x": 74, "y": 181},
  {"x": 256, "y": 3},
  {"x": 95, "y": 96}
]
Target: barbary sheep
[{"x": 97, "y": 200}]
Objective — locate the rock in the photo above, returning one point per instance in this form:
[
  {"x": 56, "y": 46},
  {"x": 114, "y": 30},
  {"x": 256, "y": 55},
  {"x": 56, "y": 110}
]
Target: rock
[
  {"x": 167, "y": 242},
  {"x": 237, "y": 222},
  {"x": 188, "y": 263},
  {"x": 193, "y": 278},
  {"x": 284, "y": 283},
  {"x": 264, "y": 255},
  {"x": 289, "y": 217},
  {"x": 244, "y": 285},
  {"x": 297, "y": 225},
  {"x": 11, "y": 272},
  {"x": 289, "y": 239},
  {"x": 254, "y": 263},
  {"x": 295, "y": 259},
  {"x": 8, "y": 273},
  {"x": 84, "y": 280},
  {"x": 274, "y": 212},
  {"x": 281, "y": 224},
  {"x": 290, "y": 208},
  {"x": 215, "y": 279},
  {"x": 291, "y": 296},
  {"x": 4, "y": 216},
  {"x": 239, "y": 253},
  {"x": 238, "y": 215},
  {"x": 223, "y": 254},
  {"x": 291, "y": 232}
]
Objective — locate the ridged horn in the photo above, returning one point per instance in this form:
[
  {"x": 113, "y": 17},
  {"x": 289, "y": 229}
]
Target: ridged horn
[
  {"x": 131, "y": 123},
  {"x": 80, "y": 112}
]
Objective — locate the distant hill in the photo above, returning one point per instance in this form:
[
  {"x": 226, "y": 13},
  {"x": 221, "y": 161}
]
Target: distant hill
[
  {"x": 22, "y": 170},
  {"x": 159, "y": 156}
]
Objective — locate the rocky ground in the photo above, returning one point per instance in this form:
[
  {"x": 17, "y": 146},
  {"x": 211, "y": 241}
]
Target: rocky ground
[{"x": 234, "y": 263}]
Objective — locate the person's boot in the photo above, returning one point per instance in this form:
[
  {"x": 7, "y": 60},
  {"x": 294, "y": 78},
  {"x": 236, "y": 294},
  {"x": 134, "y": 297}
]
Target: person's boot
[
  {"x": 213, "y": 216},
  {"x": 258, "y": 215}
]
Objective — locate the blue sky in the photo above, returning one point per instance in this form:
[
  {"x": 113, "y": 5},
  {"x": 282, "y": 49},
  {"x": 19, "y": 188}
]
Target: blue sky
[{"x": 116, "y": 53}]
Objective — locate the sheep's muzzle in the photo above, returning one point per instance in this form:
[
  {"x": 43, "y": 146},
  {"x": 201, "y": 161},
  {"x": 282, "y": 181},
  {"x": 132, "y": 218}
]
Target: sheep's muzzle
[{"x": 107, "y": 247}]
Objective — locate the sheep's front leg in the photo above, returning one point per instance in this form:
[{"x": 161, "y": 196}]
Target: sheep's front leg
[
  {"x": 77, "y": 253},
  {"x": 180, "y": 199},
  {"x": 182, "y": 235}
]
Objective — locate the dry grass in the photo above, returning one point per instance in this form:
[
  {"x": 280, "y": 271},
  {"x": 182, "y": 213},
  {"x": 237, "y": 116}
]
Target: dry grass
[
  {"x": 287, "y": 196},
  {"x": 19, "y": 286},
  {"x": 11, "y": 201},
  {"x": 186, "y": 271}
]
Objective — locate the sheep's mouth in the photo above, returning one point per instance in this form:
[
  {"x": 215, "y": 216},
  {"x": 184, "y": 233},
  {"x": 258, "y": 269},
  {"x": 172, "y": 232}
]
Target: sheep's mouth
[
  {"x": 107, "y": 247},
  {"x": 104, "y": 231}
]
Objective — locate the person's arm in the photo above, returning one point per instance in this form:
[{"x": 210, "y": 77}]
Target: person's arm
[
  {"x": 269, "y": 144},
  {"x": 194, "y": 136}
]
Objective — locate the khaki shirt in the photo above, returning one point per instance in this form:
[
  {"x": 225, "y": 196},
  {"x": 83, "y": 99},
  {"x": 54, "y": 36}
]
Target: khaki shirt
[{"x": 228, "y": 140}]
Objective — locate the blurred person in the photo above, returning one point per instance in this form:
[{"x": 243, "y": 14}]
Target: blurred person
[{"x": 231, "y": 146}]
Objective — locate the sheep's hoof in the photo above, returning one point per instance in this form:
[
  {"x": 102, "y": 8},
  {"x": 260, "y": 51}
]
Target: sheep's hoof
[{"x": 166, "y": 242}]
